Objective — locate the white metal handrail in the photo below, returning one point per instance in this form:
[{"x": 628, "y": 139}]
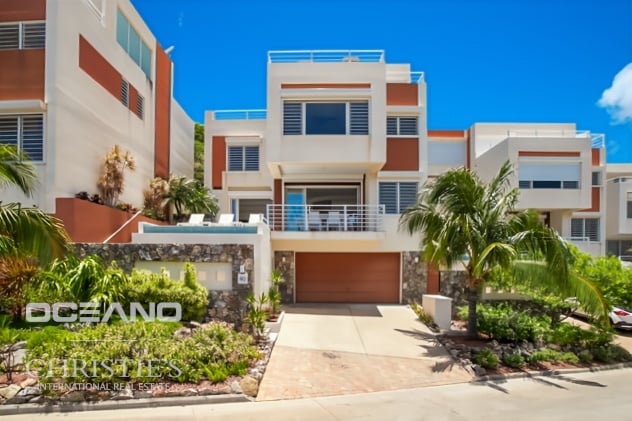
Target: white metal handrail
[
  {"x": 598, "y": 139},
  {"x": 326, "y": 56},
  {"x": 240, "y": 115},
  {"x": 126, "y": 223},
  {"x": 326, "y": 217}
]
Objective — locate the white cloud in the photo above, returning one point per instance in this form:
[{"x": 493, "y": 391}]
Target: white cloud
[
  {"x": 180, "y": 19},
  {"x": 617, "y": 99}
]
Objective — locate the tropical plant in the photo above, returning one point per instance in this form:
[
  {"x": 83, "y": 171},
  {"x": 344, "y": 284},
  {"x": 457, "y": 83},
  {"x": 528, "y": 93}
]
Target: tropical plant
[
  {"x": 27, "y": 229},
  {"x": 16, "y": 271},
  {"x": 154, "y": 199},
  {"x": 256, "y": 314},
  {"x": 189, "y": 196},
  {"x": 198, "y": 153},
  {"x": 111, "y": 182},
  {"x": 464, "y": 220}
]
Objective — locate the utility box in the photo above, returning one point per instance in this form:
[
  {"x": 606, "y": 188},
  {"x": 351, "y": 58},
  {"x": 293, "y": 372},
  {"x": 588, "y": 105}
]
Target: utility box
[{"x": 439, "y": 308}]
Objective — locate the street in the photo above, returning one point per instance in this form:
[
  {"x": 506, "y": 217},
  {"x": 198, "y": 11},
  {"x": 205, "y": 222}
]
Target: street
[{"x": 576, "y": 396}]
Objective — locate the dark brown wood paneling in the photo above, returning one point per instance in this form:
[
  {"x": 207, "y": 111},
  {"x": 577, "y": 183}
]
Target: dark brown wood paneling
[
  {"x": 22, "y": 10},
  {"x": 22, "y": 74},
  {"x": 347, "y": 277},
  {"x": 278, "y": 191},
  {"x": 596, "y": 157},
  {"x": 218, "y": 147},
  {"x": 402, "y": 94},
  {"x": 402, "y": 154},
  {"x": 162, "y": 113}
]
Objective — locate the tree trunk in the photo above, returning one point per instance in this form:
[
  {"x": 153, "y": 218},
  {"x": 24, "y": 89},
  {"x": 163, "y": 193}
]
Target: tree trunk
[{"x": 472, "y": 300}]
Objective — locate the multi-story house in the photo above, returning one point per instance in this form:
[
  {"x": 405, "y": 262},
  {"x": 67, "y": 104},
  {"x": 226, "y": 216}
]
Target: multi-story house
[
  {"x": 618, "y": 185},
  {"x": 78, "y": 77},
  {"x": 341, "y": 151}
]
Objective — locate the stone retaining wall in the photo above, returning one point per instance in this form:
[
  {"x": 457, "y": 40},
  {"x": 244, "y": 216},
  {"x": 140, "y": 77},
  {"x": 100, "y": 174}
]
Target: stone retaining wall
[
  {"x": 229, "y": 306},
  {"x": 414, "y": 277}
]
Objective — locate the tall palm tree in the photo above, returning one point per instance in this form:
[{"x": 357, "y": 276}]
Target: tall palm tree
[
  {"x": 464, "y": 220},
  {"x": 26, "y": 230}
]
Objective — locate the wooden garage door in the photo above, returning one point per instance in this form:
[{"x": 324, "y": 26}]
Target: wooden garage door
[{"x": 347, "y": 277}]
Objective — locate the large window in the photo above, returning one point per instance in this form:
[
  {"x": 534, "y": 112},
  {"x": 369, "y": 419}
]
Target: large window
[
  {"x": 549, "y": 175},
  {"x": 401, "y": 126},
  {"x": 585, "y": 229},
  {"x": 24, "y": 35},
  {"x": 629, "y": 206},
  {"x": 243, "y": 158},
  {"x": 25, "y": 133},
  {"x": 243, "y": 208},
  {"x": 326, "y": 118},
  {"x": 130, "y": 40},
  {"x": 397, "y": 196}
]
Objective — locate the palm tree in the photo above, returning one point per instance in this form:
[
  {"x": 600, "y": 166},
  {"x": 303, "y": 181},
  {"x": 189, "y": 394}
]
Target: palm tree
[
  {"x": 27, "y": 230},
  {"x": 464, "y": 220},
  {"x": 189, "y": 195}
]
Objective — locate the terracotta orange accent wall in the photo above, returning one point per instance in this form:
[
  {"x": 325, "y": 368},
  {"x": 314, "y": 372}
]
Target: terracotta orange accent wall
[
  {"x": 133, "y": 98},
  {"x": 595, "y": 197},
  {"x": 325, "y": 86},
  {"x": 402, "y": 154},
  {"x": 79, "y": 218},
  {"x": 22, "y": 74},
  {"x": 162, "y": 113},
  {"x": 21, "y": 10},
  {"x": 278, "y": 191},
  {"x": 596, "y": 157},
  {"x": 433, "y": 279},
  {"x": 98, "y": 68},
  {"x": 549, "y": 153},
  {"x": 219, "y": 160},
  {"x": 402, "y": 94}
]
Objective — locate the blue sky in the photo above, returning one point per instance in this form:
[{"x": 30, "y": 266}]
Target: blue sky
[{"x": 484, "y": 60}]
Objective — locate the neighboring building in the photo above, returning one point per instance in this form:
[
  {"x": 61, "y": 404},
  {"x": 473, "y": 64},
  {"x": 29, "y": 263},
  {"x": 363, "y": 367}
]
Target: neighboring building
[
  {"x": 343, "y": 148},
  {"x": 619, "y": 211},
  {"x": 78, "y": 77}
]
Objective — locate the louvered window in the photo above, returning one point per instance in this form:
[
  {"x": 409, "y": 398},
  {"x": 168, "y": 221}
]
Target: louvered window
[
  {"x": 326, "y": 118},
  {"x": 125, "y": 92},
  {"x": 585, "y": 229},
  {"x": 140, "y": 107},
  {"x": 25, "y": 133},
  {"x": 397, "y": 196},
  {"x": 359, "y": 118},
  {"x": 243, "y": 158},
  {"x": 26, "y": 35},
  {"x": 401, "y": 126},
  {"x": 292, "y": 118}
]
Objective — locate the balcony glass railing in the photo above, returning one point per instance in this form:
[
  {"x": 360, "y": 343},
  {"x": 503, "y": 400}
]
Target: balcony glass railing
[{"x": 367, "y": 218}]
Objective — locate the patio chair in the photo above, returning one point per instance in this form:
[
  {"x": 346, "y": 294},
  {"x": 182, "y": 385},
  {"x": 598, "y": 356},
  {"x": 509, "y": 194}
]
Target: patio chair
[
  {"x": 334, "y": 220},
  {"x": 314, "y": 222},
  {"x": 226, "y": 219},
  {"x": 255, "y": 218},
  {"x": 194, "y": 219}
]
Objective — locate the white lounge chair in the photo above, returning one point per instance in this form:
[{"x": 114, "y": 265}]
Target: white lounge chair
[
  {"x": 334, "y": 220},
  {"x": 194, "y": 219},
  {"x": 313, "y": 221},
  {"x": 255, "y": 218},
  {"x": 226, "y": 219}
]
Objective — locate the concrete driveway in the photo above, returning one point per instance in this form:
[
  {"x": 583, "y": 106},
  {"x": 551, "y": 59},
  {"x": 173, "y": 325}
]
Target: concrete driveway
[{"x": 331, "y": 349}]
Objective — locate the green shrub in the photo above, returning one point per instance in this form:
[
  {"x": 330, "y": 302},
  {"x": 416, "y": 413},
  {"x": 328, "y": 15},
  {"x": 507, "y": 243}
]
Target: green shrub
[
  {"x": 514, "y": 360},
  {"x": 569, "y": 358},
  {"x": 503, "y": 323},
  {"x": 585, "y": 356},
  {"x": 547, "y": 354},
  {"x": 619, "y": 353},
  {"x": 423, "y": 317},
  {"x": 146, "y": 287},
  {"x": 603, "y": 353},
  {"x": 566, "y": 334},
  {"x": 486, "y": 359}
]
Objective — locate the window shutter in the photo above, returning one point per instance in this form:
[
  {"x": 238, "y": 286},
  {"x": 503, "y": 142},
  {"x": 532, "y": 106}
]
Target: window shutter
[
  {"x": 124, "y": 92},
  {"x": 408, "y": 126},
  {"x": 252, "y": 158},
  {"x": 388, "y": 196},
  {"x": 9, "y": 36},
  {"x": 33, "y": 137},
  {"x": 34, "y": 35},
  {"x": 292, "y": 118},
  {"x": 592, "y": 229},
  {"x": 140, "y": 107},
  {"x": 577, "y": 227},
  {"x": 391, "y": 126},
  {"x": 407, "y": 195},
  {"x": 359, "y": 117},
  {"x": 9, "y": 130},
  {"x": 235, "y": 158}
]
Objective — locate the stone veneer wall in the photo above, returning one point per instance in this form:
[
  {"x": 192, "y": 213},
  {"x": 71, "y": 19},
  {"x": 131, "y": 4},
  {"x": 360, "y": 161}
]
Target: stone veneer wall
[
  {"x": 286, "y": 268},
  {"x": 414, "y": 277},
  {"x": 452, "y": 284},
  {"x": 228, "y": 306}
]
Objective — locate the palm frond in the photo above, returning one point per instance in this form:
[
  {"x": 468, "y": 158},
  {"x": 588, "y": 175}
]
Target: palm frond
[{"x": 14, "y": 171}]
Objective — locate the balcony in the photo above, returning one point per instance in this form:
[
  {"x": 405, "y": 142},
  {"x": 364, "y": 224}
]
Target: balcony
[
  {"x": 239, "y": 115},
  {"x": 326, "y": 218},
  {"x": 597, "y": 139},
  {"x": 326, "y": 56}
]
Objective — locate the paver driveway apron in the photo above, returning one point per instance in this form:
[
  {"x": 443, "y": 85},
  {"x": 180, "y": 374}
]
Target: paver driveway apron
[{"x": 333, "y": 349}]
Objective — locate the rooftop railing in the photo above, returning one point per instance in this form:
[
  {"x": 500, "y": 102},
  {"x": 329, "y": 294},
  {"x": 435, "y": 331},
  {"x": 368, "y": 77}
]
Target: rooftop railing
[
  {"x": 326, "y": 217},
  {"x": 240, "y": 115},
  {"x": 598, "y": 139},
  {"x": 326, "y": 56}
]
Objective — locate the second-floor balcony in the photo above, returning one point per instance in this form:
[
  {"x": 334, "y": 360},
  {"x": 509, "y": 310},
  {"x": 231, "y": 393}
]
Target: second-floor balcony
[{"x": 326, "y": 218}]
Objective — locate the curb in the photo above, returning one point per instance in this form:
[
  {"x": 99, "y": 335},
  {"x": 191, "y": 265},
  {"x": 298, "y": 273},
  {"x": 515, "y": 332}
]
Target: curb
[
  {"x": 551, "y": 373},
  {"x": 32, "y": 408}
]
